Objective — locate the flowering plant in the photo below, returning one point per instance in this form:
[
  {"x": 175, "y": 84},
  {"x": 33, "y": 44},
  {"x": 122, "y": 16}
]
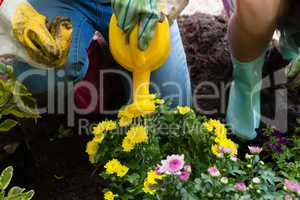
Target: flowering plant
[
  {"x": 142, "y": 157},
  {"x": 238, "y": 179},
  {"x": 174, "y": 154},
  {"x": 284, "y": 151}
]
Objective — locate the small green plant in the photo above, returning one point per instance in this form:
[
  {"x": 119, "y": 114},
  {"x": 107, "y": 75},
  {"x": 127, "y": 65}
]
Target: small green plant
[
  {"x": 16, "y": 102},
  {"x": 284, "y": 152},
  {"x": 15, "y": 193},
  {"x": 249, "y": 179},
  {"x": 288, "y": 162}
]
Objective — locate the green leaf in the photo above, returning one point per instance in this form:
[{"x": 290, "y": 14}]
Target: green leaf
[
  {"x": 9, "y": 70},
  {"x": 1, "y": 195},
  {"x": 29, "y": 195},
  {"x": 237, "y": 172},
  {"x": 2, "y": 68},
  {"x": 20, "y": 90},
  {"x": 169, "y": 117},
  {"x": 297, "y": 141},
  {"x": 297, "y": 129},
  {"x": 7, "y": 125},
  {"x": 6, "y": 177},
  {"x": 13, "y": 110},
  {"x": 298, "y": 121},
  {"x": 4, "y": 98},
  {"x": 256, "y": 159},
  {"x": 15, "y": 191},
  {"x": 198, "y": 181},
  {"x": 245, "y": 197},
  {"x": 191, "y": 197},
  {"x": 133, "y": 179}
]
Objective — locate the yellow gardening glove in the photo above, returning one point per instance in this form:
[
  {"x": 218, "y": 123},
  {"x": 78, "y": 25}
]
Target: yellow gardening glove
[{"x": 46, "y": 44}]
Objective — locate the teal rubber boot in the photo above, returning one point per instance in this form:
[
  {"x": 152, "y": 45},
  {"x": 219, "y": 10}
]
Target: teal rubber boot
[{"x": 243, "y": 114}]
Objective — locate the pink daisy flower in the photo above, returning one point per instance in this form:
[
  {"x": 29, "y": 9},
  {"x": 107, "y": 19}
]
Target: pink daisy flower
[
  {"x": 172, "y": 165},
  {"x": 292, "y": 186},
  {"x": 184, "y": 176},
  {"x": 213, "y": 171},
  {"x": 187, "y": 168},
  {"x": 241, "y": 186},
  {"x": 288, "y": 197},
  {"x": 225, "y": 150},
  {"x": 255, "y": 150},
  {"x": 158, "y": 170},
  {"x": 234, "y": 158}
]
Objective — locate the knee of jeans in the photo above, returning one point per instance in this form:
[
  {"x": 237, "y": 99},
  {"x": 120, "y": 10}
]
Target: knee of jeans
[
  {"x": 40, "y": 81},
  {"x": 175, "y": 88},
  {"x": 73, "y": 71},
  {"x": 77, "y": 63},
  {"x": 172, "y": 80}
]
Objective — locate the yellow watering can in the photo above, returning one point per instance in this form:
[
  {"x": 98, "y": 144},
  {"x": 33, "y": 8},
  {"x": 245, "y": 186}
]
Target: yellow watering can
[{"x": 140, "y": 63}]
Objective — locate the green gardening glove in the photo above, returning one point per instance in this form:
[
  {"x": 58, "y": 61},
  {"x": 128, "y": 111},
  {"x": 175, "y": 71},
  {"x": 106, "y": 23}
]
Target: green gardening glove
[{"x": 144, "y": 13}]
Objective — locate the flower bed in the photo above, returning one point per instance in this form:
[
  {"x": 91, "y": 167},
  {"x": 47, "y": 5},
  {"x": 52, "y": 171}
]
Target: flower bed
[{"x": 175, "y": 154}]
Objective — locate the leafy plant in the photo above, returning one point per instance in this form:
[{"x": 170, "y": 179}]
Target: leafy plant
[
  {"x": 175, "y": 154},
  {"x": 16, "y": 101},
  {"x": 288, "y": 162},
  {"x": 284, "y": 152},
  {"x": 249, "y": 179},
  {"x": 15, "y": 193}
]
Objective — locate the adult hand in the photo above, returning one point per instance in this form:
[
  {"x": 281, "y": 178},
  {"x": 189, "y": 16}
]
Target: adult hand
[
  {"x": 144, "y": 13},
  {"x": 45, "y": 43}
]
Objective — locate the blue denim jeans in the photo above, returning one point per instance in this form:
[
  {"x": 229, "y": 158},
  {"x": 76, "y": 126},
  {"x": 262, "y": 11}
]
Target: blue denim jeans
[{"x": 87, "y": 16}]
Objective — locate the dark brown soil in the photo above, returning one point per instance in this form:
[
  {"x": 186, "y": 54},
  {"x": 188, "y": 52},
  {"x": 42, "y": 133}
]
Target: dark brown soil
[
  {"x": 204, "y": 38},
  {"x": 59, "y": 169},
  {"x": 63, "y": 172},
  {"x": 56, "y": 168}
]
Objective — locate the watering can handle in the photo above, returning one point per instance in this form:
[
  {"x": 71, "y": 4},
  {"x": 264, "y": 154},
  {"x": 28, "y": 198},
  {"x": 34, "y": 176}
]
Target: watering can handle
[{"x": 138, "y": 56}]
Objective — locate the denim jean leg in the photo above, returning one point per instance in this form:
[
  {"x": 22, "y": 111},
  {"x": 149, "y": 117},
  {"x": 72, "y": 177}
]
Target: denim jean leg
[{"x": 172, "y": 80}]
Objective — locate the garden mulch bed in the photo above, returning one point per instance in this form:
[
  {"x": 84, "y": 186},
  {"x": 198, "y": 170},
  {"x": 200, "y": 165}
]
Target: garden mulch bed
[
  {"x": 204, "y": 38},
  {"x": 59, "y": 169}
]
